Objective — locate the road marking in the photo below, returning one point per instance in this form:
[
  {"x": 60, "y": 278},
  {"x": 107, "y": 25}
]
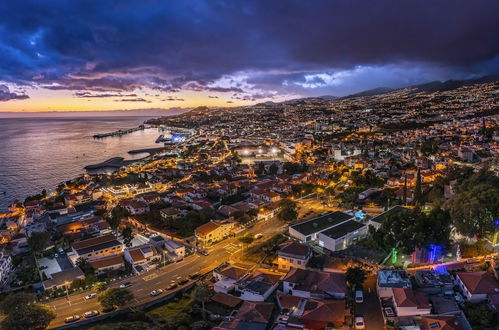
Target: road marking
[{"x": 150, "y": 277}]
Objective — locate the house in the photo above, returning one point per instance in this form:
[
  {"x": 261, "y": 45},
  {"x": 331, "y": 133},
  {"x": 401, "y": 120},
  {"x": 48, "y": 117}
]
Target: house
[
  {"x": 475, "y": 286},
  {"x": 390, "y": 278},
  {"x": 214, "y": 231},
  {"x": 259, "y": 285},
  {"x": 341, "y": 236},
  {"x": 135, "y": 206},
  {"x": 442, "y": 322},
  {"x": 227, "y": 276},
  {"x": 293, "y": 255},
  {"x": 107, "y": 263},
  {"x": 170, "y": 213},
  {"x": 308, "y": 230},
  {"x": 175, "y": 250},
  {"x": 97, "y": 247},
  {"x": 141, "y": 256},
  {"x": 63, "y": 278},
  {"x": 251, "y": 315},
  {"x": 408, "y": 302},
  {"x": 311, "y": 313},
  {"x": 226, "y": 300},
  {"x": 314, "y": 284},
  {"x": 5, "y": 268}
]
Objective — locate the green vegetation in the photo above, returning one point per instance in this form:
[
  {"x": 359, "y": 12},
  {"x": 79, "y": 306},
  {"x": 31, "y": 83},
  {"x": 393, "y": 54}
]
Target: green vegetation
[
  {"x": 266, "y": 251},
  {"x": 480, "y": 316},
  {"x": 39, "y": 241},
  {"x": 202, "y": 294},
  {"x": 21, "y": 312},
  {"x": 475, "y": 250},
  {"x": 288, "y": 210},
  {"x": 475, "y": 205},
  {"x": 410, "y": 229},
  {"x": 355, "y": 276},
  {"x": 114, "y": 297},
  {"x": 175, "y": 314},
  {"x": 127, "y": 235},
  {"x": 116, "y": 215},
  {"x": 294, "y": 168}
]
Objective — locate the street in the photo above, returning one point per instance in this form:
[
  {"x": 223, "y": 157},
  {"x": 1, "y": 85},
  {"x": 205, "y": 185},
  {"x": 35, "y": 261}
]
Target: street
[
  {"x": 370, "y": 308},
  {"x": 144, "y": 283}
]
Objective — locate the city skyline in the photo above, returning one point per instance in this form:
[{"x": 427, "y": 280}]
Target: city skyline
[{"x": 142, "y": 55}]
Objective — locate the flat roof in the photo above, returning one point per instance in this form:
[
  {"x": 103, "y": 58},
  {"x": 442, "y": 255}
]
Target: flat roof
[
  {"x": 102, "y": 246},
  {"x": 321, "y": 222},
  {"x": 343, "y": 229}
]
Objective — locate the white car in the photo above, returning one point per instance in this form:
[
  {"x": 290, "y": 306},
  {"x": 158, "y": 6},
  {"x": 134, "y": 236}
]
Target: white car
[
  {"x": 90, "y": 295},
  {"x": 258, "y": 236},
  {"x": 359, "y": 322},
  {"x": 90, "y": 314},
  {"x": 155, "y": 293}
]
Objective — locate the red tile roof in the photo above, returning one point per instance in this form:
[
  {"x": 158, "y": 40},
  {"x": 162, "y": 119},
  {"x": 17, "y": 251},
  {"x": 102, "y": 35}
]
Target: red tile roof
[
  {"x": 441, "y": 322},
  {"x": 478, "y": 282},
  {"x": 406, "y": 297}
]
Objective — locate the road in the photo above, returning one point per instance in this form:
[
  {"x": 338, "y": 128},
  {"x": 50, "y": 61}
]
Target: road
[
  {"x": 370, "y": 308},
  {"x": 144, "y": 283}
]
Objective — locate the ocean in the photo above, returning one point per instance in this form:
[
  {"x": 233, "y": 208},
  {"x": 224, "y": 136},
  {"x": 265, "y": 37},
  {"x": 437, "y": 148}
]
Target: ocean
[{"x": 40, "y": 153}]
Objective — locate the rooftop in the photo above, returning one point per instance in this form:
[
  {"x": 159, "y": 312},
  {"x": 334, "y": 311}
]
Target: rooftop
[
  {"x": 343, "y": 229},
  {"x": 321, "y": 222}
]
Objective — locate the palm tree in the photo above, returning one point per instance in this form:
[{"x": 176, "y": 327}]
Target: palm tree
[{"x": 202, "y": 294}]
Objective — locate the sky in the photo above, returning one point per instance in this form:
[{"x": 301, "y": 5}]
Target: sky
[{"x": 60, "y": 55}]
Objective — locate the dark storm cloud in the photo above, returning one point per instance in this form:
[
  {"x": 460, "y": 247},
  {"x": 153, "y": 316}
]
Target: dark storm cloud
[
  {"x": 109, "y": 46},
  {"x": 7, "y": 95}
]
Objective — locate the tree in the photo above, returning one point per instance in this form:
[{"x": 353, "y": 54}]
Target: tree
[
  {"x": 355, "y": 276},
  {"x": 84, "y": 266},
  {"x": 273, "y": 169},
  {"x": 114, "y": 297},
  {"x": 22, "y": 312},
  {"x": 418, "y": 194},
  {"x": 39, "y": 241},
  {"x": 288, "y": 210},
  {"x": 99, "y": 286},
  {"x": 116, "y": 215},
  {"x": 202, "y": 294},
  {"x": 127, "y": 235},
  {"x": 246, "y": 240},
  {"x": 260, "y": 169}
]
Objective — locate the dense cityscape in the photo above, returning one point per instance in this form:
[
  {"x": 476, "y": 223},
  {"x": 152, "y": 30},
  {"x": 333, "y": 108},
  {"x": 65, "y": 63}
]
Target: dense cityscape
[
  {"x": 310, "y": 213},
  {"x": 249, "y": 165}
]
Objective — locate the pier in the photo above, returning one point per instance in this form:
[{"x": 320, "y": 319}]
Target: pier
[{"x": 119, "y": 132}]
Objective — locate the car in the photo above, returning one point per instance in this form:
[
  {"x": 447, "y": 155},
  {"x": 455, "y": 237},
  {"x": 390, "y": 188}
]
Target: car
[
  {"x": 182, "y": 281},
  {"x": 56, "y": 255},
  {"x": 193, "y": 276},
  {"x": 258, "y": 236},
  {"x": 458, "y": 298},
  {"x": 172, "y": 285},
  {"x": 359, "y": 296},
  {"x": 203, "y": 252},
  {"x": 91, "y": 314},
  {"x": 155, "y": 293},
  {"x": 60, "y": 250},
  {"x": 125, "y": 285},
  {"x": 72, "y": 318},
  {"x": 90, "y": 295},
  {"x": 389, "y": 312},
  {"x": 359, "y": 322},
  {"x": 108, "y": 309}
]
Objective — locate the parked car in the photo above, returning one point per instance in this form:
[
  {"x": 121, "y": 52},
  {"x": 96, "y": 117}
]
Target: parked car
[
  {"x": 91, "y": 314},
  {"x": 72, "y": 318},
  {"x": 172, "y": 285},
  {"x": 193, "y": 276},
  {"x": 182, "y": 281},
  {"x": 359, "y": 296},
  {"x": 389, "y": 312},
  {"x": 203, "y": 252},
  {"x": 155, "y": 293},
  {"x": 125, "y": 285},
  {"x": 108, "y": 309},
  {"x": 258, "y": 236},
  {"x": 90, "y": 295},
  {"x": 359, "y": 322}
]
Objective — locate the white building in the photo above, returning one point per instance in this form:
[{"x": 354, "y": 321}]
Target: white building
[
  {"x": 475, "y": 286},
  {"x": 341, "y": 236},
  {"x": 308, "y": 230}
]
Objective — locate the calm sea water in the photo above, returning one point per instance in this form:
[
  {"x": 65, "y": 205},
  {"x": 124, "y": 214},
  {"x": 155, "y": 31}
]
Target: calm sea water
[{"x": 39, "y": 153}]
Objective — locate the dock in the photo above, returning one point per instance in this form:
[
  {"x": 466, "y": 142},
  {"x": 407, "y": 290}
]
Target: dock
[{"x": 119, "y": 132}]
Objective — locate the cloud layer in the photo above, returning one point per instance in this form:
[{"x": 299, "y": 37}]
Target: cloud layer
[{"x": 250, "y": 50}]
